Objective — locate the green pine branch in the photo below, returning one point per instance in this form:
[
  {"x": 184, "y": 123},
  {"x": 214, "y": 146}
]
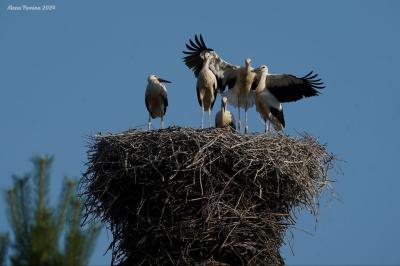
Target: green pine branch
[
  {"x": 39, "y": 230},
  {"x": 3, "y": 248}
]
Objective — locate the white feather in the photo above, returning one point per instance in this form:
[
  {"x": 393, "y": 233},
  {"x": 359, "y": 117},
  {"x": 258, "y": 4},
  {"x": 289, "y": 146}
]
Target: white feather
[
  {"x": 233, "y": 99},
  {"x": 271, "y": 100}
]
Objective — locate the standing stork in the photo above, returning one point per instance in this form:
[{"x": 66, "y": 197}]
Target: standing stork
[
  {"x": 271, "y": 90},
  {"x": 239, "y": 95},
  {"x": 238, "y": 79},
  {"x": 156, "y": 99},
  {"x": 206, "y": 88},
  {"x": 224, "y": 118}
]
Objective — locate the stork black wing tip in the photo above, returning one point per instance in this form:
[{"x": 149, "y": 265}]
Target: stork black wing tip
[
  {"x": 202, "y": 41},
  {"x": 308, "y": 74},
  {"x": 318, "y": 87},
  {"x": 194, "y": 46},
  {"x": 312, "y": 79}
]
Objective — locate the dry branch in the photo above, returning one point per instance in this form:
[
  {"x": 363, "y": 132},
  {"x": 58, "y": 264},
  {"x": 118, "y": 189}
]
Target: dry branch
[{"x": 186, "y": 196}]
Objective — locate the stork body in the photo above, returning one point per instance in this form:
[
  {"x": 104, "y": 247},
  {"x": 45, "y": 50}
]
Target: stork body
[
  {"x": 206, "y": 88},
  {"x": 239, "y": 96},
  {"x": 269, "y": 108},
  {"x": 271, "y": 90},
  {"x": 224, "y": 118},
  {"x": 156, "y": 99}
]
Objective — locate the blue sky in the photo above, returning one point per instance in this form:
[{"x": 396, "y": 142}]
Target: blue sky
[{"x": 81, "y": 69}]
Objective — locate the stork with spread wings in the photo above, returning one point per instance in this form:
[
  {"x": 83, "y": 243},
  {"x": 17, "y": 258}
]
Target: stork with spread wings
[
  {"x": 205, "y": 61},
  {"x": 270, "y": 90}
]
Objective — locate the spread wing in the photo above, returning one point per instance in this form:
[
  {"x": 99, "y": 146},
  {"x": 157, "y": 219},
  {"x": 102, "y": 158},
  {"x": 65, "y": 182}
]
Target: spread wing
[
  {"x": 289, "y": 88},
  {"x": 223, "y": 71}
]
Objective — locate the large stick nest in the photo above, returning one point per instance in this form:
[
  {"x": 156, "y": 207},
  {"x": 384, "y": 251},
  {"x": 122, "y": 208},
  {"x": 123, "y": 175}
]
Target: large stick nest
[{"x": 186, "y": 196}]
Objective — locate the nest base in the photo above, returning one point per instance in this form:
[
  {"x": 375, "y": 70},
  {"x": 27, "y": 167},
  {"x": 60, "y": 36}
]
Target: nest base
[{"x": 201, "y": 197}]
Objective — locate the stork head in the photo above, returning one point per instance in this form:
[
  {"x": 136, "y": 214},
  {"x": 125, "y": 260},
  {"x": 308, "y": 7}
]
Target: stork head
[
  {"x": 247, "y": 62},
  {"x": 264, "y": 68},
  {"x": 224, "y": 101},
  {"x": 153, "y": 78},
  {"x": 206, "y": 56},
  {"x": 261, "y": 69}
]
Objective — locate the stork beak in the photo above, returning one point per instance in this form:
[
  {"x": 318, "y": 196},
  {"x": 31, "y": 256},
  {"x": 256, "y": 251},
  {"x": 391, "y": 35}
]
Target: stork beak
[{"x": 163, "y": 80}]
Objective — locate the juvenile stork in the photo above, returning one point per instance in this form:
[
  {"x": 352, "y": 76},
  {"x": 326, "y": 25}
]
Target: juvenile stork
[
  {"x": 269, "y": 108},
  {"x": 156, "y": 99},
  {"x": 271, "y": 90},
  {"x": 233, "y": 76},
  {"x": 224, "y": 118},
  {"x": 239, "y": 95},
  {"x": 206, "y": 88}
]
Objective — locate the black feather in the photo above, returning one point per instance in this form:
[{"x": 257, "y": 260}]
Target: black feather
[
  {"x": 306, "y": 76},
  {"x": 192, "y": 59},
  {"x": 198, "y": 42},
  {"x": 319, "y": 87},
  {"x": 231, "y": 83},
  {"x": 312, "y": 77},
  {"x": 220, "y": 85},
  {"x": 255, "y": 83},
  {"x": 194, "y": 45},
  {"x": 191, "y": 48},
  {"x": 202, "y": 42},
  {"x": 165, "y": 104},
  {"x": 289, "y": 88},
  {"x": 278, "y": 114}
]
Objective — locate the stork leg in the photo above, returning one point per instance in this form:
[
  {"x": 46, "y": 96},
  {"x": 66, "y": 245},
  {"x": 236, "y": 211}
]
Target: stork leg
[
  {"x": 202, "y": 116},
  {"x": 266, "y": 125},
  {"x": 270, "y": 117},
  {"x": 209, "y": 117},
  {"x": 239, "y": 123},
  {"x": 246, "y": 127},
  {"x": 162, "y": 122},
  {"x": 149, "y": 123}
]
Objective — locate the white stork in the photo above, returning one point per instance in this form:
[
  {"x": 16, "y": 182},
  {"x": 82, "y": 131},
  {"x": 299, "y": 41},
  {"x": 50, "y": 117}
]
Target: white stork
[
  {"x": 239, "y": 95},
  {"x": 224, "y": 118},
  {"x": 206, "y": 88},
  {"x": 238, "y": 79},
  {"x": 271, "y": 90},
  {"x": 156, "y": 99}
]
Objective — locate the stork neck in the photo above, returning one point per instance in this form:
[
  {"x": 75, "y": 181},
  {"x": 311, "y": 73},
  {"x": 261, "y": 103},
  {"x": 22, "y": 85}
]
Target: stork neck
[
  {"x": 248, "y": 67},
  {"x": 156, "y": 82},
  {"x": 261, "y": 84},
  {"x": 206, "y": 63}
]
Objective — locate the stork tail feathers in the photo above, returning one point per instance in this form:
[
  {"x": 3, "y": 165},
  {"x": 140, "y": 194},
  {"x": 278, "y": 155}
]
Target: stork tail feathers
[{"x": 278, "y": 114}]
